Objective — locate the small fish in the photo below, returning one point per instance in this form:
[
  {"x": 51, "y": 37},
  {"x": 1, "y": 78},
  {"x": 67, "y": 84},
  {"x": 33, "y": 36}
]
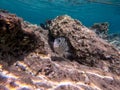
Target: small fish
[{"x": 61, "y": 46}]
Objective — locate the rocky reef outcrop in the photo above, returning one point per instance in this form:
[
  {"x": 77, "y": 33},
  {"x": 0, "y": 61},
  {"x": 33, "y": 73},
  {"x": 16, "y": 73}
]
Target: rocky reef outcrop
[
  {"x": 101, "y": 29},
  {"x": 65, "y": 56},
  {"x": 17, "y": 38},
  {"x": 114, "y": 39},
  {"x": 86, "y": 46}
]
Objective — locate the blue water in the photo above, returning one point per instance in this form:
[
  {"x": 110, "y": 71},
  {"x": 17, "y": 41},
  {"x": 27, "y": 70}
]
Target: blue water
[{"x": 38, "y": 11}]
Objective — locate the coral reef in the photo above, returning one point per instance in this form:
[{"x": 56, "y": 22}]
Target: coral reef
[
  {"x": 65, "y": 56},
  {"x": 101, "y": 29},
  {"x": 87, "y": 47},
  {"x": 114, "y": 39},
  {"x": 17, "y": 38}
]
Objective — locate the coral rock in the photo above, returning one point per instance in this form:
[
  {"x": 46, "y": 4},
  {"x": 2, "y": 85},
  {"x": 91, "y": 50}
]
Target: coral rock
[
  {"x": 87, "y": 47},
  {"x": 101, "y": 29},
  {"x": 34, "y": 68}
]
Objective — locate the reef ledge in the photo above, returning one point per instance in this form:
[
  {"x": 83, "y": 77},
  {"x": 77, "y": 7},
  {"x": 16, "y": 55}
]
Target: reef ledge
[{"x": 65, "y": 55}]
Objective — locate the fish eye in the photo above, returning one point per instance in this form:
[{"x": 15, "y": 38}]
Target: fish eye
[{"x": 58, "y": 40}]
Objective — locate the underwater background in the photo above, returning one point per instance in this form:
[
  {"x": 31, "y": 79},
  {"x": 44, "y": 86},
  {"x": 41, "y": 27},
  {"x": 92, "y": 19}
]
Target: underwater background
[{"x": 87, "y": 11}]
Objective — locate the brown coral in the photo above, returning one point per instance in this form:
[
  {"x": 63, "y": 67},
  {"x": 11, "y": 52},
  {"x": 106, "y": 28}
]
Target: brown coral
[{"x": 87, "y": 47}]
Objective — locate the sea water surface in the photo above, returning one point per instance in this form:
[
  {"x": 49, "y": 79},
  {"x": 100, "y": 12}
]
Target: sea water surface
[{"x": 87, "y": 11}]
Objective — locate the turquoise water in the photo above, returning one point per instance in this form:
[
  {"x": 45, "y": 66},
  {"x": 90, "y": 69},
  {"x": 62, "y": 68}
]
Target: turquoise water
[{"x": 87, "y": 11}]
